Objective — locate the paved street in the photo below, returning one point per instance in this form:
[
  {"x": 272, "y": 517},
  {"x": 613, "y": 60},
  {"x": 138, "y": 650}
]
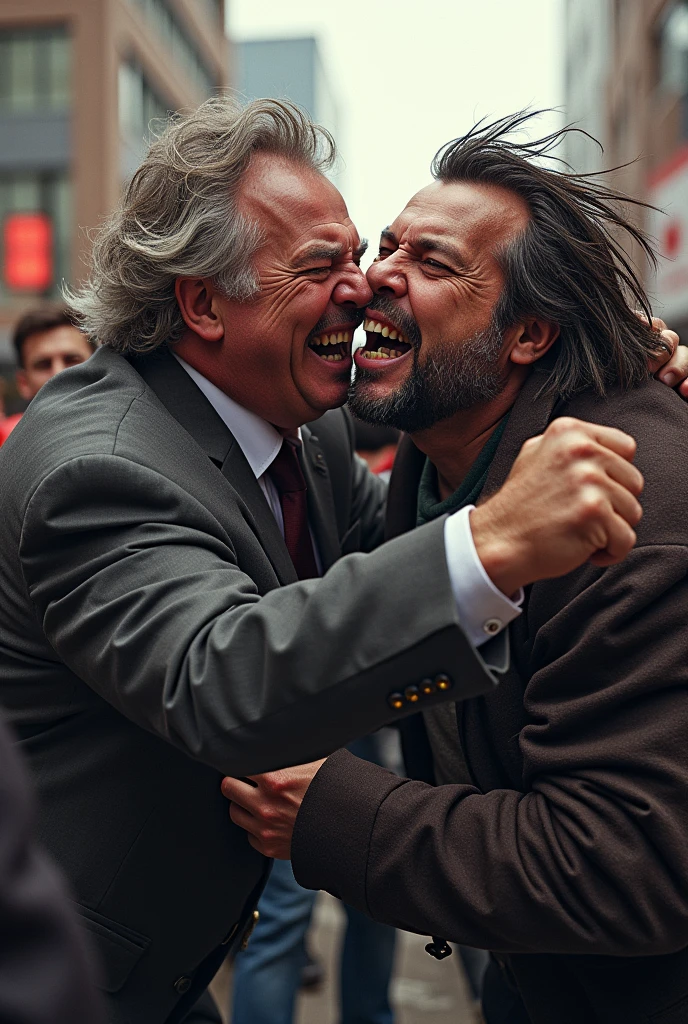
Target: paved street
[{"x": 425, "y": 991}]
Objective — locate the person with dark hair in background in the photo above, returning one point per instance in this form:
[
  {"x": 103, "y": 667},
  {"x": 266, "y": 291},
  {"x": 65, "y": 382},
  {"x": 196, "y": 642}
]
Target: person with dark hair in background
[
  {"x": 45, "y": 341},
  {"x": 556, "y": 833}
]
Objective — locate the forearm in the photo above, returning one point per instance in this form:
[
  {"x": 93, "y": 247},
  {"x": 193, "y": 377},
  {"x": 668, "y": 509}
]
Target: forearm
[
  {"x": 504, "y": 871},
  {"x": 157, "y": 618}
]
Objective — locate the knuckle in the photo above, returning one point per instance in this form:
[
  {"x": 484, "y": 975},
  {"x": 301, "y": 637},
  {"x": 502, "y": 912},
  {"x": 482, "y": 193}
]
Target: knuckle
[
  {"x": 562, "y": 425},
  {"x": 591, "y": 504},
  {"x": 273, "y": 784},
  {"x": 268, "y": 814},
  {"x": 578, "y": 448}
]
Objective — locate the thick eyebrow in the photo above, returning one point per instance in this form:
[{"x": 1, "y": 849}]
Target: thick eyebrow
[
  {"x": 389, "y": 236},
  {"x": 443, "y": 248},
  {"x": 318, "y": 252},
  {"x": 327, "y": 252},
  {"x": 361, "y": 249}
]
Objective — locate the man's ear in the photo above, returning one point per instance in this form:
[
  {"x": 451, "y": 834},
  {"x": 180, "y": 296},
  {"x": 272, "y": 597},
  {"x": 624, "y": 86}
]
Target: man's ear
[
  {"x": 530, "y": 341},
  {"x": 197, "y": 301},
  {"x": 23, "y": 385}
]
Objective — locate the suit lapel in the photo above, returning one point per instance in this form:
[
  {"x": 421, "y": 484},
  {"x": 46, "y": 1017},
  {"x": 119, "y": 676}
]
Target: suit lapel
[
  {"x": 402, "y": 500},
  {"x": 321, "y": 510},
  {"x": 189, "y": 406},
  {"x": 237, "y": 471}
]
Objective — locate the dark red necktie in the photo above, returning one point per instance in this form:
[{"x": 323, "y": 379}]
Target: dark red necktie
[{"x": 288, "y": 478}]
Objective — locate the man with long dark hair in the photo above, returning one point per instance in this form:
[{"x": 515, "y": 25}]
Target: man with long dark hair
[{"x": 556, "y": 836}]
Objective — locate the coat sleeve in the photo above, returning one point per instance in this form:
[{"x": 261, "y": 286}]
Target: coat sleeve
[
  {"x": 591, "y": 856},
  {"x": 138, "y": 590}
]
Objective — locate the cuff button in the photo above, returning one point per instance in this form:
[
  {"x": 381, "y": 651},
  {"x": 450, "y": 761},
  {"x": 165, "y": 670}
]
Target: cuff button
[
  {"x": 427, "y": 687},
  {"x": 492, "y": 626},
  {"x": 396, "y": 701},
  {"x": 411, "y": 693},
  {"x": 443, "y": 682}
]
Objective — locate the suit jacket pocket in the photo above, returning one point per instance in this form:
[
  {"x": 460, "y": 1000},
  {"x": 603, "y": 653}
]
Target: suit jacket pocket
[
  {"x": 119, "y": 947},
  {"x": 351, "y": 541}
]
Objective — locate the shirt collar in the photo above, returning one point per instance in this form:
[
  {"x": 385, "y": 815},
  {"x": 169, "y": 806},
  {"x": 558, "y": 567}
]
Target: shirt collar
[{"x": 259, "y": 440}]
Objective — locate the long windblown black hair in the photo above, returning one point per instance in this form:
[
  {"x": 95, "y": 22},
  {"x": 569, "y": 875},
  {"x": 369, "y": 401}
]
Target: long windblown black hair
[{"x": 568, "y": 266}]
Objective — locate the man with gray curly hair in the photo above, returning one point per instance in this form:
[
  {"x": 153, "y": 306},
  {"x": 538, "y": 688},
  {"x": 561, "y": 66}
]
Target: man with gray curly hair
[{"x": 174, "y": 607}]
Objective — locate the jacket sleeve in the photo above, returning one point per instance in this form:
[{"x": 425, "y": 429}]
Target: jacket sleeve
[
  {"x": 591, "y": 856},
  {"x": 138, "y": 590}
]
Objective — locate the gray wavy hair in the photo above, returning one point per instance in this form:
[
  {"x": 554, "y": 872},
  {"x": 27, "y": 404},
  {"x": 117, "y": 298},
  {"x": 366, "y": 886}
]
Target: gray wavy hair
[{"x": 178, "y": 217}]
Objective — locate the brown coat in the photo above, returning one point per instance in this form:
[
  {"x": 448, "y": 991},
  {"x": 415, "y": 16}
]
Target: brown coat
[{"x": 568, "y": 853}]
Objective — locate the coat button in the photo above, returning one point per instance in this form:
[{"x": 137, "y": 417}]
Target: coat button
[
  {"x": 427, "y": 687},
  {"x": 443, "y": 682},
  {"x": 411, "y": 693},
  {"x": 396, "y": 701},
  {"x": 182, "y": 984}
]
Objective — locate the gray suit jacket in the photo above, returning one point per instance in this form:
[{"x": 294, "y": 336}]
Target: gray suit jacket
[{"x": 153, "y": 638}]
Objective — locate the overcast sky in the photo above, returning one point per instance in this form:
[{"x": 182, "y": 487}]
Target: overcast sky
[{"x": 410, "y": 75}]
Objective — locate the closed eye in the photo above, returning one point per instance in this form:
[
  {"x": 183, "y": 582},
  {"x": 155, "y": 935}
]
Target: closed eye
[{"x": 436, "y": 265}]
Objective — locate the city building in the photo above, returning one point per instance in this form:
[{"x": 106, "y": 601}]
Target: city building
[
  {"x": 288, "y": 69},
  {"x": 80, "y": 83},
  {"x": 588, "y": 25},
  {"x": 627, "y": 82}
]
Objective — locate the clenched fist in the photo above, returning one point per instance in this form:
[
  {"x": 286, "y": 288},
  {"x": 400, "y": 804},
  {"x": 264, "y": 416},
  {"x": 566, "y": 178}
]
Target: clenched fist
[{"x": 571, "y": 497}]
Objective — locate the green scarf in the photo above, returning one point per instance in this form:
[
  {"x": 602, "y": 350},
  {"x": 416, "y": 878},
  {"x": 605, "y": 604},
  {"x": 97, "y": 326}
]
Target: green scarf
[{"x": 468, "y": 492}]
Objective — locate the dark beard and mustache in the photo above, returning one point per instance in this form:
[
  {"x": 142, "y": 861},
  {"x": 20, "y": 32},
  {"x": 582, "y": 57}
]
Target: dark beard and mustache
[{"x": 453, "y": 378}]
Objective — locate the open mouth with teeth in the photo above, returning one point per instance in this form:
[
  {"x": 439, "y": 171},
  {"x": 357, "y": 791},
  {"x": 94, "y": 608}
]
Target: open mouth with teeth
[
  {"x": 334, "y": 347},
  {"x": 383, "y": 341}
]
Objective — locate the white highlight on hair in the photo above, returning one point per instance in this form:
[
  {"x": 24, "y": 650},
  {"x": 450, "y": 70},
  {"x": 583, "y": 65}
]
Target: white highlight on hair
[{"x": 178, "y": 217}]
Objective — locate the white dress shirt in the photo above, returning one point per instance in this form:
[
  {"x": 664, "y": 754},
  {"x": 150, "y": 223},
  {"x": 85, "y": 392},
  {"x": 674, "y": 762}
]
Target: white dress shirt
[{"x": 483, "y": 610}]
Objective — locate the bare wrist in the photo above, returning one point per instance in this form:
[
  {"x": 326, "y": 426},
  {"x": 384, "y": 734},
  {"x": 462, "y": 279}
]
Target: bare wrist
[{"x": 498, "y": 554}]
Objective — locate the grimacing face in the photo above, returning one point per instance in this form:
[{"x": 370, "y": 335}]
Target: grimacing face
[
  {"x": 286, "y": 353},
  {"x": 47, "y": 353},
  {"x": 429, "y": 328}
]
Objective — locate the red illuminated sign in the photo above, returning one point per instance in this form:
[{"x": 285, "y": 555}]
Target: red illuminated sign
[{"x": 28, "y": 245}]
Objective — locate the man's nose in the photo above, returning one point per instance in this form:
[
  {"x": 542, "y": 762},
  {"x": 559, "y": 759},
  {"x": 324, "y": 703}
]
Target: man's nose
[
  {"x": 386, "y": 276},
  {"x": 352, "y": 290}
]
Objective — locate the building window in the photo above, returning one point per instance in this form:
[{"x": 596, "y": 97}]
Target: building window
[
  {"x": 672, "y": 43},
  {"x": 139, "y": 103},
  {"x": 140, "y": 106},
  {"x": 35, "y": 70},
  {"x": 673, "y": 49},
  {"x": 49, "y": 194},
  {"x": 178, "y": 42}
]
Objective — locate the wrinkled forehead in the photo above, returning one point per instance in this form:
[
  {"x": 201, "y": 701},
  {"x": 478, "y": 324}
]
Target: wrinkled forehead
[
  {"x": 291, "y": 202},
  {"x": 475, "y": 215}
]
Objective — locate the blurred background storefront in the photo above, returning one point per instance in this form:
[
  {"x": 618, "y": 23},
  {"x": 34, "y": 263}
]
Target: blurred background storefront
[
  {"x": 627, "y": 84},
  {"x": 80, "y": 83}
]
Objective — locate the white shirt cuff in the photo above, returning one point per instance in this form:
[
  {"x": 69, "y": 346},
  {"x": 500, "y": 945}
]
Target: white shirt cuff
[{"x": 484, "y": 611}]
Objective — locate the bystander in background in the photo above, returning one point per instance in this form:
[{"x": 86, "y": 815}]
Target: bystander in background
[{"x": 46, "y": 341}]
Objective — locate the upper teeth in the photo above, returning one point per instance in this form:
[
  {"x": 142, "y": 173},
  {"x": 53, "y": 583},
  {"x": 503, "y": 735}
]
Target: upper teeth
[
  {"x": 375, "y": 327},
  {"x": 333, "y": 339}
]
